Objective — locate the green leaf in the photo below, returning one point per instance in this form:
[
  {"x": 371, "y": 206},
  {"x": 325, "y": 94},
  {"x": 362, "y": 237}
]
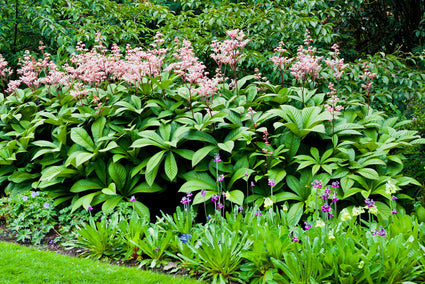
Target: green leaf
[
  {"x": 109, "y": 205},
  {"x": 57, "y": 171},
  {"x": 86, "y": 184},
  {"x": 97, "y": 128},
  {"x": 110, "y": 190},
  {"x": 84, "y": 201},
  {"x": 368, "y": 173},
  {"x": 18, "y": 177},
  {"x": 152, "y": 166},
  {"x": 295, "y": 213},
  {"x": 201, "y": 154},
  {"x": 81, "y": 137},
  {"x": 145, "y": 187},
  {"x": 141, "y": 210},
  {"x": 118, "y": 174},
  {"x": 170, "y": 166},
  {"x": 82, "y": 157},
  {"x": 227, "y": 146},
  {"x": 236, "y": 196}
]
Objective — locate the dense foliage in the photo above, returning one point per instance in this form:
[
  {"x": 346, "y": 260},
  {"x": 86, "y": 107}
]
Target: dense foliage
[{"x": 249, "y": 105}]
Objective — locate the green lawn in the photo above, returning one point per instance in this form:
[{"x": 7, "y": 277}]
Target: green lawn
[{"x": 20, "y": 264}]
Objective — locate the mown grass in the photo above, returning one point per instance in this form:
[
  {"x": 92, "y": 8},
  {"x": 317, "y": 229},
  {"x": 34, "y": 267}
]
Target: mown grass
[{"x": 20, "y": 264}]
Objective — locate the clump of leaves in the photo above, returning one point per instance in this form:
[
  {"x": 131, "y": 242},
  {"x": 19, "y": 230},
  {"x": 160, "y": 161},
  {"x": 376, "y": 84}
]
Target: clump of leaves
[{"x": 30, "y": 215}]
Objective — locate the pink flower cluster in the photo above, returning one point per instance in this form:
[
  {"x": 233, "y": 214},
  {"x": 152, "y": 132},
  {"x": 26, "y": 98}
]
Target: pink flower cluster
[
  {"x": 367, "y": 77},
  {"x": 333, "y": 108},
  {"x": 228, "y": 52},
  {"x": 335, "y": 64},
  {"x": 306, "y": 64}
]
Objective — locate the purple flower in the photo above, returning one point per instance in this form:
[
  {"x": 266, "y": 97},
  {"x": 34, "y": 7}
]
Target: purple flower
[
  {"x": 413, "y": 118},
  {"x": 271, "y": 182},
  {"x": 295, "y": 239},
  {"x": 394, "y": 197},
  {"x": 189, "y": 194},
  {"x": 133, "y": 198},
  {"x": 217, "y": 158},
  {"x": 369, "y": 202},
  {"x": 252, "y": 184},
  {"x": 185, "y": 200},
  {"x": 380, "y": 233},
  {"x": 220, "y": 178},
  {"x": 224, "y": 194},
  {"x": 220, "y": 206},
  {"x": 326, "y": 208},
  {"x": 203, "y": 192},
  {"x": 246, "y": 174},
  {"x": 25, "y": 198},
  {"x": 307, "y": 226},
  {"x": 334, "y": 198},
  {"x": 394, "y": 211},
  {"x": 89, "y": 208},
  {"x": 240, "y": 208},
  {"x": 317, "y": 184},
  {"x": 335, "y": 184},
  {"x": 157, "y": 249},
  {"x": 214, "y": 198},
  {"x": 258, "y": 212},
  {"x": 330, "y": 214},
  {"x": 34, "y": 193},
  {"x": 46, "y": 205}
]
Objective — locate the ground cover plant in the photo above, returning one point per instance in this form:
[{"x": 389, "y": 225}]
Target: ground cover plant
[{"x": 300, "y": 175}]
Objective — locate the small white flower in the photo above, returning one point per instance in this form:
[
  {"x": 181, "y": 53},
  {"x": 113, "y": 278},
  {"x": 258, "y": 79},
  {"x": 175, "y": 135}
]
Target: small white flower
[
  {"x": 345, "y": 215},
  {"x": 357, "y": 211},
  {"x": 268, "y": 202},
  {"x": 320, "y": 223}
]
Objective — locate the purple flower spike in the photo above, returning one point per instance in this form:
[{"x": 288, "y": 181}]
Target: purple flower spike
[
  {"x": 326, "y": 208},
  {"x": 189, "y": 194},
  {"x": 271, "y": 182},
  {"x": 335, "y": 184},
  {"x": 307, "y": 226},
  {"x": 133, "y": 198},
  {"x": 258, "y": 212},
  {"x": 185, "y": 200},
  {"x": 369, "y": 202},
  {"x": 220, "y": 206},
  {"x": 295, "y": 240},
  {"x": 217, "y": 158},
  {"x": 334, "y": 198},
  {"x": 214, "y": 198},
  {"x": 380, "y": 233},
  {"x": 240, "y": 208},
  {"x": 220, "y": 178},
  {"x": 203, "y": 192},
  {"x": 317, "y": 184}
]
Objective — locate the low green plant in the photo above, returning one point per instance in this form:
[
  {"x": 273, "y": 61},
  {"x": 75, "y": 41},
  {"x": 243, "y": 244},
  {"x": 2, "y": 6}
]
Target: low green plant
[
  {"x": 99, "y": 240},
  {"x": 30, "y": 216}
]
